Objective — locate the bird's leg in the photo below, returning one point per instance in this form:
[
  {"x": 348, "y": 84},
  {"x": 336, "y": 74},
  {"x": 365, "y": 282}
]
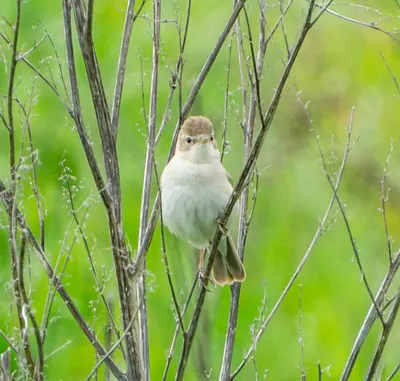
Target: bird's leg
[
  {"x": 222, "y": 228},
  {"x": 201, "y": 261},
  {"x": 201, "y": 269}
]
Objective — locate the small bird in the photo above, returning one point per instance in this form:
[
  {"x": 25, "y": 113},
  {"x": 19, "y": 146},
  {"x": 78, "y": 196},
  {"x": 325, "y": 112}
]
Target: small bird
[{"x": 195, "y": 190}]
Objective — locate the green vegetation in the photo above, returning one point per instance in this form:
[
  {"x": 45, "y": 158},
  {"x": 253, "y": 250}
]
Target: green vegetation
[{"x": 339, "y": 67}]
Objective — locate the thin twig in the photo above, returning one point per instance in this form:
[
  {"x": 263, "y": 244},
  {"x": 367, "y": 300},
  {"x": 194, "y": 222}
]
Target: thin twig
[
  {"x": 320, "y": 231},
  {"x": 12, "y": 210},
  {"x": 396, "y": 83},
  {"x": 178, "y": 327},
  {"x": 393, "y": 374},
  {"x": 371, "y": 25},
  {"x": 100, "y": 288},
  {"x": 39, "y": 368},
  {"x": 130, "y": 18},
  {"x": 5, "y": 197},
  {"x": 370, "y": 318},
  {"x": 301, "y": 336},
  {"x": 383, "y": 339},
  {"x": 165, "y": 259},
  {"x": 384, "y": 200},
  {"x": 147, "y": 180},
  {"x": 116, "y": 344},
  {"x": 248, "y": 132},
  {"x": 346, "y": 221}
]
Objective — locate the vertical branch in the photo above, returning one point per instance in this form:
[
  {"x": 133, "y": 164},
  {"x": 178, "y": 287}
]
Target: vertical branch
[
  {"x": 301, "y": 336},
  {"x": 177, "y": 329},
  {"x": 248, "y": 132},
  {"x": 129, "y": 18},
  {"x": 384, "y": 200},
  {"x": 39, "y": 368},
  {"x": 119, "y": 83},
  {"x": 148, "y": 170},
  {"x": 224, "y": 143},
  {"x": 111, "y": 194},
  {"x": 179, "y": 67},
  {"x": 12, "y": 211}
]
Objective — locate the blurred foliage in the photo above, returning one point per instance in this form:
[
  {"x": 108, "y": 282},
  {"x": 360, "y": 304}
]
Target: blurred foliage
[{"x": 339, "y": 67}]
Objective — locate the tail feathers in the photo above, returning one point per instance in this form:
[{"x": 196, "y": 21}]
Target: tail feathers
[
  {"x": 220, "y": 270},
  {"x": 234, "y": 264},
  {"x": 228, "y": 268}
]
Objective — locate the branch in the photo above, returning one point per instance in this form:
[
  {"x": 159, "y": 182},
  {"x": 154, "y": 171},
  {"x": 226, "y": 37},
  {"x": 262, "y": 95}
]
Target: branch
[
  {"x": 350, "y": 234},
  {"x": 370, "y": 318},
  {"x": 12, "y": 198},
  {"x": 5, "y": 197},
  {"x": 383, "y": 339},
  {"x": 119, "y": 83},
  {"x": 147, "y": 180},
  {"x": 39, "y": 368},
  {"x": 248, "y": 132},
  {"x": 321, "y": 229},
  {"x": 266, "y": 123},
  {"x": 368, "y": 25},
  {"x": 112, "y": 199},
  {"x": 37, "y": 71},
  {"x": 115, "y": 346}
]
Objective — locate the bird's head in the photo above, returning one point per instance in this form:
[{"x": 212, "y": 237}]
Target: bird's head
[{"x": 196, "y": 140}]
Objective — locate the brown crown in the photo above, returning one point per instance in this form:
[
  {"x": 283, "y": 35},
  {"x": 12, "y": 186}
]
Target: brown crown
[{"x": 196, "y": 125}]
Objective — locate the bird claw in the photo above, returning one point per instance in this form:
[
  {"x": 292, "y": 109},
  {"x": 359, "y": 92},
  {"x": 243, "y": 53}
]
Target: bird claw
[
  {"x": 203, "y": 280},
  {"x": 223, "y": 229}
]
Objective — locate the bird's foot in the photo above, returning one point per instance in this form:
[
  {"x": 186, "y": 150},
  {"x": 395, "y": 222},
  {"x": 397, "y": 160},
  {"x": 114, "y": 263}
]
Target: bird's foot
[
  {"x": 203, "y": 280},
  {"x": 222, "y": 228}
]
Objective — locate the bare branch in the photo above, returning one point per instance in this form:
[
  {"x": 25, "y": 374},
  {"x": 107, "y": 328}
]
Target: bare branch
[
  {"x": 165, "y": 259},
  {"x": 115, "y": 346},
  {"x": 21, "y": 56},
  {"x": 370, "y": 318},
  {"x": 248, "y": 133},
  {"x": 147, "y": 179},
  {"x": 396, "y": 83},
  {"x": 383, "y": 339},
  {"x": 255, "y": 151},
  {"x": 5, "y": 197},
  {"x": 384, "y": 199},
  {"x": 371, "y": 25},
  {"x": 320, "y": 231},
  {"x": 178, "y": 327},
  {"x": 39, "y": 368},
  {"x": 119, "y": 83},
  {"x": 350, "y": 234},
  {"x": 395, "y": 371}
]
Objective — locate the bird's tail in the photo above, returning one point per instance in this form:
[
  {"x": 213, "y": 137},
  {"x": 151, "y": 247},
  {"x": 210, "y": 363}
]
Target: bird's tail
[{"x": 228, "y": 268}]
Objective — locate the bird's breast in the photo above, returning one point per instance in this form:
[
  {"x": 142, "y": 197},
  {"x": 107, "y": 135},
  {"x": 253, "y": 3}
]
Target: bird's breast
[{"x": 193, "y": 197}]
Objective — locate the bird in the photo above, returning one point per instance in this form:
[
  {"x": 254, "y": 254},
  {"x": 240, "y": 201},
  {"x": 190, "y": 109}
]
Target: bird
[{"x": 195, "y": 189}]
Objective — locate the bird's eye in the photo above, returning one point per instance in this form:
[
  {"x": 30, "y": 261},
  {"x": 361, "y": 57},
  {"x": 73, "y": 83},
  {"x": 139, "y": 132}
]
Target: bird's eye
[
  {"x": 188, "y": 140},
  {"x": 212, "y": 138}
]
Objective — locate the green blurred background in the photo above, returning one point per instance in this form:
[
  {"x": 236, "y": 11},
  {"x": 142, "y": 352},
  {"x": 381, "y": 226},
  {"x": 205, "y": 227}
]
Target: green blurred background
[{"x": 339, "y": 67}]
